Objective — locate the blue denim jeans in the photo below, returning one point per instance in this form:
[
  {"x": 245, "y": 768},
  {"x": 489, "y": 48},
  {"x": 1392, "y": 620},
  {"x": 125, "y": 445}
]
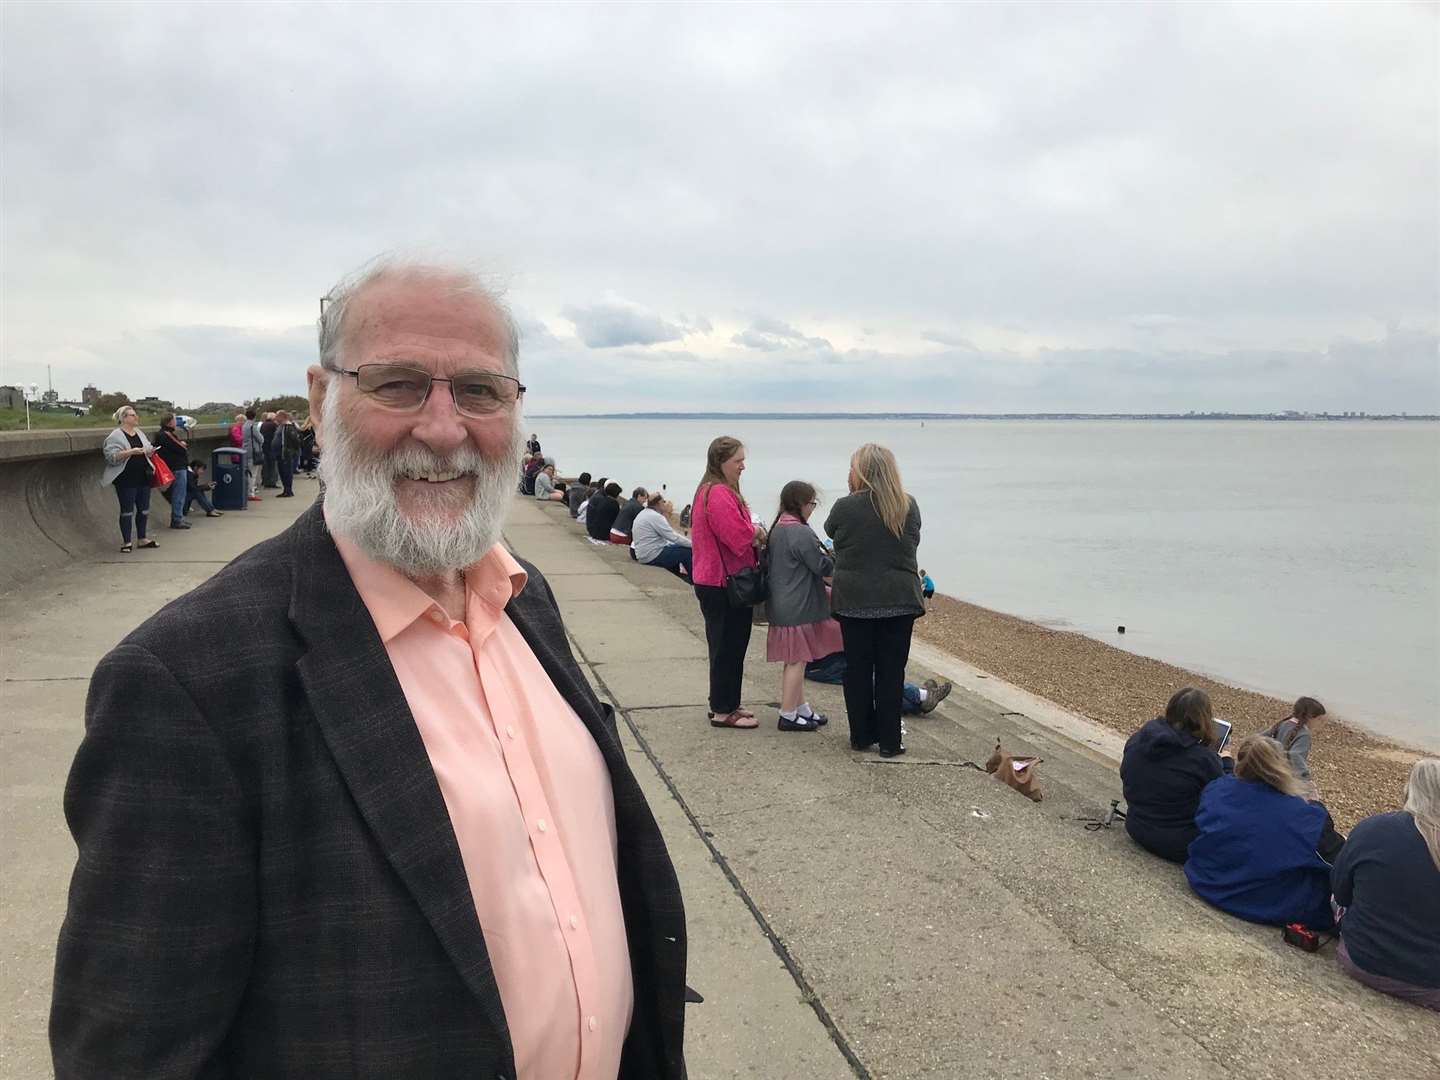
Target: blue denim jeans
[
  {"x": 672, "y": 557},
  {"x": 177, "y": 496}
]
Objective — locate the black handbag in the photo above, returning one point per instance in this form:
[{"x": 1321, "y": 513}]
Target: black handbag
[{"x": 747, "y": 587}]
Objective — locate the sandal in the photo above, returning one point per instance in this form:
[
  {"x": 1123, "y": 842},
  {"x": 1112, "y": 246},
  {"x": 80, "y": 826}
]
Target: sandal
[
  {"x": 149, "y": 543},
  {"x": 734, "y": 720},
  {"x": 127, "y": 548}
]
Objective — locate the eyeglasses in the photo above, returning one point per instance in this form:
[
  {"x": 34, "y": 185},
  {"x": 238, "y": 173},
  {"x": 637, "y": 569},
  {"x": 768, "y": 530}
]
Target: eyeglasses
[{"x": 475, "y": 393}]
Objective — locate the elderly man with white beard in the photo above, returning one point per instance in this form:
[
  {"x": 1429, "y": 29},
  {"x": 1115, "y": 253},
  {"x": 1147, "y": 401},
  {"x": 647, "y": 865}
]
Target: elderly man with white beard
[{"x": 389, "y": 830}]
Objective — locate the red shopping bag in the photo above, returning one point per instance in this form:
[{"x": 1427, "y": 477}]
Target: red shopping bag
[{"x": 161, "y": 476}]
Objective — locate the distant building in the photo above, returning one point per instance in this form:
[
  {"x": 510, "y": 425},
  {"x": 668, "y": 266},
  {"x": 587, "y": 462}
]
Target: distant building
[
  {"x": 11, "y": 397},
  {"x": 153, "y": 405},
  {"x": 89, "y": 395}
]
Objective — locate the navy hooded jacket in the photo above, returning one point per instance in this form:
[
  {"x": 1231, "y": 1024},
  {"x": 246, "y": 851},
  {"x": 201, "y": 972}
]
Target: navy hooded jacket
[{"x": 1163, "y": 772}]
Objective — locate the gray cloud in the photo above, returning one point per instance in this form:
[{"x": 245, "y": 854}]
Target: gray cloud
[
  {"x": 616, "y": 322},
  {"x": 1109, "y": 219}
]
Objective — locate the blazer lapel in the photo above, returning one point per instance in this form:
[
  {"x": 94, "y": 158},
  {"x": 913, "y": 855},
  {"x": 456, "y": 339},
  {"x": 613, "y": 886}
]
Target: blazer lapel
[{"x": 371, "y": 733}]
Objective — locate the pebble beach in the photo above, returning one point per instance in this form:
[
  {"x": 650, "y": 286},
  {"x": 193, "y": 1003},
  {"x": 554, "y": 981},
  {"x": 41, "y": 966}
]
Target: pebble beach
[{"x": 1358, "y": 773}]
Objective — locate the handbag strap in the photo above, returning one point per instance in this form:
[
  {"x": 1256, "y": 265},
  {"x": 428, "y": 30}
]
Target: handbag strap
[{"x": 719, "y": 546}]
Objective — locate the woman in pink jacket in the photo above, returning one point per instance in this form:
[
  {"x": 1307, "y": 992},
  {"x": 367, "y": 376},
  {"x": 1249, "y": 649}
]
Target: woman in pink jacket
[{"x": 724, "y": 541}]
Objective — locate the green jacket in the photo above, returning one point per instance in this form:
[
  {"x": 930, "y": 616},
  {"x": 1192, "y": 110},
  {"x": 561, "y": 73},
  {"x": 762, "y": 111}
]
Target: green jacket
[{"x": 874, "y": 568}]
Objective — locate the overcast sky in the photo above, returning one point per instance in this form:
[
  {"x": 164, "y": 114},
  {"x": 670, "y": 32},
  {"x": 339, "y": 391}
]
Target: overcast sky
[{"x": 966, "y": 208}]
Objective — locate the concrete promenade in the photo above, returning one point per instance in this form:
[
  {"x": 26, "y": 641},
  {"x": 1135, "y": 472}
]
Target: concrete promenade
[{"x": 847, "y": 916}]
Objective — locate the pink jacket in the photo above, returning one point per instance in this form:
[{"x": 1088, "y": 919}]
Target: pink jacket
[{"x": 724, "y": 522}]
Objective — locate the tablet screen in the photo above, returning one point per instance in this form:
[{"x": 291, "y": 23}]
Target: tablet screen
[{"x": 1222, "y": 733}]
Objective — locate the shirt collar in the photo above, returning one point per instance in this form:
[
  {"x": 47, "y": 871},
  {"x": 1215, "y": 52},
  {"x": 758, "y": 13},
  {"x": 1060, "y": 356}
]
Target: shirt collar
[{"x": 395, "y": 602}]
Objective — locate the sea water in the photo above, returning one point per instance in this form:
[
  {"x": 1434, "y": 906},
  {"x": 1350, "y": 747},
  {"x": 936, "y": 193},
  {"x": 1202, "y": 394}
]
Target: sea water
[{"x": 1286, "y": 557}]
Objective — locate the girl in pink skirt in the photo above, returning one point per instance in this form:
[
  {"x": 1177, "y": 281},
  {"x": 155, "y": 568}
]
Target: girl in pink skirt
[{"x": 801, "y": 628}]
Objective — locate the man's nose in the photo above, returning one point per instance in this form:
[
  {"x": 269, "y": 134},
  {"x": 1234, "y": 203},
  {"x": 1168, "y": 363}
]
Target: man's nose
[{"x": 438, "y": 425}]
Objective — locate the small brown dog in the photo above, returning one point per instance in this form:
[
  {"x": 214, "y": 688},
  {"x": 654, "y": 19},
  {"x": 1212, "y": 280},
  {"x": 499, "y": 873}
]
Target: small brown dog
[{"x": 1017, "y": 772}]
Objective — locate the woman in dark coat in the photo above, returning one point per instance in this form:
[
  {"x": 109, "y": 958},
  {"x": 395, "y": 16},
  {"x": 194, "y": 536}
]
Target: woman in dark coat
[
  {"x": 1166, "y": 765},
  {"x": 876, "y": 594}
]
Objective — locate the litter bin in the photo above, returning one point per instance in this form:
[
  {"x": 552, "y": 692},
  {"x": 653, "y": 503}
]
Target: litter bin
[{"x": 227, "y": 466}]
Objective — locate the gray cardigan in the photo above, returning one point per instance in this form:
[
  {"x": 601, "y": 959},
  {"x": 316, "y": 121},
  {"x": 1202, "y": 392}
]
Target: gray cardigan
[
  {"x": 797, "y": 565},
  {"x": 115, "y": 444},
  {"x": 874, "y": 568}
]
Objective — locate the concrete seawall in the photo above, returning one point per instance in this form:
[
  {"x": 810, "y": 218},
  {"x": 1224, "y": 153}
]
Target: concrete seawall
[{"x": 51, "y": 502}]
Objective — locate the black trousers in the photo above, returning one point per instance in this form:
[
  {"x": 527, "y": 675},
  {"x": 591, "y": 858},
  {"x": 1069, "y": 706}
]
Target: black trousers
[
  {"x": 727, "y": 635},
  {"x": 875, "y": 654}
]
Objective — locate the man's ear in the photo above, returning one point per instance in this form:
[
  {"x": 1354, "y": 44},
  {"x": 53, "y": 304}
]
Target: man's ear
[{"x": 317, "y": 382}]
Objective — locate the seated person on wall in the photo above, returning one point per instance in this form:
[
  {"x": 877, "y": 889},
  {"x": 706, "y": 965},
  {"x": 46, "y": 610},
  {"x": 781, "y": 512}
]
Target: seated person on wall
[
  {"x": 625, "y": 520},
  {"x": 916, "y": 698},
  {"x": 545, "y": 489},
  {"x": 1255, "y": 853},
  {"x": 597, "y": 488},
  {"x": 578, "y": 492},
  {"x": 1166, "y": 765},
  {"x": 527, "y": 475},
  {"x": 655, "y": 543},
  {"x": 604, "y": 509},
  {"x": 1387, "y": 878}
]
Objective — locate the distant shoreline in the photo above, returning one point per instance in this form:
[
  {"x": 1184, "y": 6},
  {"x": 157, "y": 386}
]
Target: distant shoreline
[{"x": 1279, "y": 418}]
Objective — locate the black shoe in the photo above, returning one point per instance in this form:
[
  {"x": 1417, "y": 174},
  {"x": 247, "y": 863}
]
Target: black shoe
[
  {"x": 934, "y": 694},
  {"x": 891, "y": 753},
  {"x": 819, "y": 718},
  {"x": 860, "y": 748},
  {"x": 180, "y": 524},
  {"x": 800, "y": 723},
  {"x": 286, "y": 495}
]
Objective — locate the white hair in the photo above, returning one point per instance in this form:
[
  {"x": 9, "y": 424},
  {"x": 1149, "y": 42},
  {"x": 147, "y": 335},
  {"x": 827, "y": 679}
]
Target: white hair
[
  {"x": 1422, "y": 803},
  {"x": 458, "y": 279},
  {"x": 360, "y": 502},
  {"x": 119, "y": 413}
]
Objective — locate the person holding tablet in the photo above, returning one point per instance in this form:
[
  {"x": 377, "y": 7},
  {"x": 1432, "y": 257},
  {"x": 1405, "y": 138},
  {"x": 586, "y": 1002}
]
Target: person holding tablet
[{"x": 1166, "y": 765}]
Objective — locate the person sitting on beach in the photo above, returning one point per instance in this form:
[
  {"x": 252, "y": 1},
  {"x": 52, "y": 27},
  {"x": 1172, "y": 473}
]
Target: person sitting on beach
[
  {"x": 1387, "y": 879},
  {"x": 655, "y": 543},
  {"x": 545, "y": 490},
  {"x": 604, "y": 509},
  {"x": 1294, "y": 736},
  {"x": 801, "y": 629},
  {"x": 625, "y": 520},
  {"x": 578, "y": 492},
  {"x": 916, "y": 698},
  {"x": 1166, "y": 765},
  {"x": 1254, "y": 855}
]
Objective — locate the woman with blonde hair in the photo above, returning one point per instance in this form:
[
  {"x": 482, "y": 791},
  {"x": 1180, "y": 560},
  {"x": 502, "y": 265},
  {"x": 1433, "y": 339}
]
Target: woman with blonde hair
[
  {"x": 127, "y": 468},
  {"x": 876, "y": 594},
  {"x": 1387, "y": 880},
  {"x": 1255, "y": 852},
  {"x": 723, "y": 542}
]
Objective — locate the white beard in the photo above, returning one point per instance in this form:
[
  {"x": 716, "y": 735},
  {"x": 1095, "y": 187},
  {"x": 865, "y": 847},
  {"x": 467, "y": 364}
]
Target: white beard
[{"x": 360, "y": 502}]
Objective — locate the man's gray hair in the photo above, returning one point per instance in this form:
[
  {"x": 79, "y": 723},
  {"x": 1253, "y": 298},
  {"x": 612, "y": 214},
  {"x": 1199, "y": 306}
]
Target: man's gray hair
[{"x": 460, "y": 280}]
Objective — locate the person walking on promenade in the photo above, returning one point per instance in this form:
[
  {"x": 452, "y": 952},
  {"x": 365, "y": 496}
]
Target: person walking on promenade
[
  {"x": 395, "y": 833},
  {"x": 237, "y": 432},
  {"x": 127, "y": 468},
  {"x": 175, "y": 452},
  {"x": 254, "y": 455},
  {"x": 1387, "y": 880},
  {"x": 655, "y": 543},
  {"x": 286, "y": 443},
  {"x": 876, "y": 594},
  {"x": 801, "y": 629},
  {"x": 724, "y": 542},
  {"x": 197, "y": 490},
  {"x": 269, "y": 467}
]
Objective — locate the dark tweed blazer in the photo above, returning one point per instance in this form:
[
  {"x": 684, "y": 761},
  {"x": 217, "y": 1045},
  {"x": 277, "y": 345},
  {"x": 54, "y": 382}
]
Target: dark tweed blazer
[{"x": 268, "y": 885}]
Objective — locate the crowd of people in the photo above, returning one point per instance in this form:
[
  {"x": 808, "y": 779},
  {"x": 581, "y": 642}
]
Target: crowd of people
[
  {"x": 1256, "y": 841},
  {"x": 1247, "y": 823},
  {"x": 840, "y": 610},
  {"x": 275, "y": 448}
]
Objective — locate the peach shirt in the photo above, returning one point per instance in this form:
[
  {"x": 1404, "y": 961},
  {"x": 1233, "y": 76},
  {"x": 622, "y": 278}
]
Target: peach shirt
[{"x": 530, "y": 801}]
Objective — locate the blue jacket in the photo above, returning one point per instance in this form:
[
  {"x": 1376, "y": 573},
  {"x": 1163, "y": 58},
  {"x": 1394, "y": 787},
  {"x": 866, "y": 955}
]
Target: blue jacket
[
  {"x": 1163, "y": 772},
  {"x": 1255, "y": 855}
]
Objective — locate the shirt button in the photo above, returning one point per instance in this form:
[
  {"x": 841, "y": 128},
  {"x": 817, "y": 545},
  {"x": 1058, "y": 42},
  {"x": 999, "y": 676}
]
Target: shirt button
[
  {"x": 509, "y": 731},
  {"x": 541, "y": 825},
  {"x": 594, "y": 1023},
  {"x": 574, "y": 923}
]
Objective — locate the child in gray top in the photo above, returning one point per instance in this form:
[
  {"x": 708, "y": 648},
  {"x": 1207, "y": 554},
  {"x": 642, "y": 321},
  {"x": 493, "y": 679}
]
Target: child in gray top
[{"x": 1294, "y": 736}]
